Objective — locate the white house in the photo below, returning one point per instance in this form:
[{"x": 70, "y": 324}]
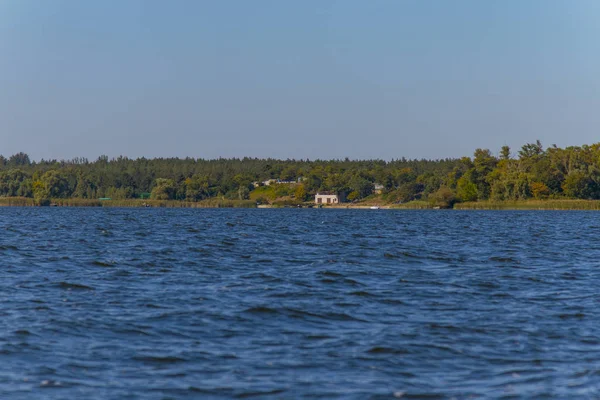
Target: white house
[{"x": 327, "y": 198}]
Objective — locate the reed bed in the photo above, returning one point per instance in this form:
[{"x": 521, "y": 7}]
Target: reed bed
[
  {"x": 209, "y": 203},
  {"x": 554, "y": 204},
  {"x": 75, "y": 203},
  {"x": 551, "y": 204},
  {"x": 17, "y": 202},
  {"x": 413, "y": 205}
]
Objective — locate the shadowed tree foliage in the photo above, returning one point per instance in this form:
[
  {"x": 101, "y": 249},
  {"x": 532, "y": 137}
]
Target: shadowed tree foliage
[{"x": 164, "y": 189}]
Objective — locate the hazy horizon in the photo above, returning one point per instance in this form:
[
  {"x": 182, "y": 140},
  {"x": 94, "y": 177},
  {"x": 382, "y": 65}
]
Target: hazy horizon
[{"x": 316, "y": 79}]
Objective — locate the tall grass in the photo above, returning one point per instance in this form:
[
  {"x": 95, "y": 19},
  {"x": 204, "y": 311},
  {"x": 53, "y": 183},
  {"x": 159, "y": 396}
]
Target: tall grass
[
  {"x": 412, "y": 205},
  {"x": 17, "y": 202},
  {"x": 560, "y": 204},
  {"x": 550, "y": 204},
  {"x": 209, "y": 203},
  {"x": 75, "y": 202}
]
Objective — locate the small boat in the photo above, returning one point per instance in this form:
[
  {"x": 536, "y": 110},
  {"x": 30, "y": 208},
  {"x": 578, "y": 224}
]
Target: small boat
[{"x": 374, "y": 207}]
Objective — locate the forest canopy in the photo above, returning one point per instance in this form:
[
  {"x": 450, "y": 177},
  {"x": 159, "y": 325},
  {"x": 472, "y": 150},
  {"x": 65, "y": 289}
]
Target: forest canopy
[{"x": 531, "y": 172}]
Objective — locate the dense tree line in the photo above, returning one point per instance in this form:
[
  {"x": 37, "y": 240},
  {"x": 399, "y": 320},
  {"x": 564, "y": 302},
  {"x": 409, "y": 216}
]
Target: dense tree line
[{"x": 533, "y": 172}]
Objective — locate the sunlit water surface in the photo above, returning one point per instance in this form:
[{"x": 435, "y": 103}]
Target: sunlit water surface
[{"x": 174, "y": 303}]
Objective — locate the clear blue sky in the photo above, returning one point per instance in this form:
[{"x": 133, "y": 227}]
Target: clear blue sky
[{"x": 298, "y": 79}]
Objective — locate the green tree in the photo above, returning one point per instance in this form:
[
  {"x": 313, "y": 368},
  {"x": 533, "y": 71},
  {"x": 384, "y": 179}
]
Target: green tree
[
  {"x": 483, "y": 164},
  {"x": 164, "y": 189},
  {"x": 539, "y": 190},
  {"x": 197, "y": 188},
  {"x": 443, "y": 198},
  {"x": 300, "y": 193},
  {"x": 352, "y": 196},
  {"x": 531, "y": 150},
  {"x": 578, "y": 185},
  {"x": 466, "y": 190},
  {"x": 362, "y": 186},
  {"x": 55, "y": 185}
]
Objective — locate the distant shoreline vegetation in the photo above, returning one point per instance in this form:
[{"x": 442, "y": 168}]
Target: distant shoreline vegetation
[{"x": 534, "y": 177}]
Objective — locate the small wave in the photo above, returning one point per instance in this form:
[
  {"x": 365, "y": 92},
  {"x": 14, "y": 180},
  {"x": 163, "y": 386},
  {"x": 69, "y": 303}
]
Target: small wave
[
  {"x": 329, "y": 273},
  {"x": 261, "y": 310},
  {"x": 261, "y": 276},
  {"x": 440, "y": 326},
  {"x": 328, "y": 281},
  {"x": 133, "y": 332},
  {"x": 488, "y": 285},
  {"x": 160, "y": 359},
  {"x": 361, "y": 293},
  {"x": 195, "y": 389},
  {"x": 51, "y": 384},
  {"x": 386, "y": 350},
  {"x": 569, "y": 276},
  {"x": 102, "y": 263},
  {"x": 578, "y": 315},
  {"x": 409, "y": 254},
  {"x": 319, "y": 337},
  {"x": 74, "y": 286},
  {"x": 392, "y": 301},
  {"x": 327, "y": 316},
  {"x": 504, "y": 259},
  {"x": 261, "y": 394}
]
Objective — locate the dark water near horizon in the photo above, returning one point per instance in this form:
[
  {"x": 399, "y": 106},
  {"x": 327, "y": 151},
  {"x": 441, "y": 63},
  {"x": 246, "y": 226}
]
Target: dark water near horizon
[{"x": 186, "y": 304}]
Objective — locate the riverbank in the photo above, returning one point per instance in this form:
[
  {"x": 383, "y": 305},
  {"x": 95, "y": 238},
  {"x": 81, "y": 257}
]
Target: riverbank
[
  {"x": 560, "y": 204},
  {"x": 411, "y": 205},
  {"x": 555, "y": 204},
  {"x": 129, "y": 203}
]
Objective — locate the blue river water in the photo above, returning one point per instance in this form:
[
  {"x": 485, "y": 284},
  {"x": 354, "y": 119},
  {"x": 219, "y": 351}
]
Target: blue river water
[{"x": 186, "y": 304}]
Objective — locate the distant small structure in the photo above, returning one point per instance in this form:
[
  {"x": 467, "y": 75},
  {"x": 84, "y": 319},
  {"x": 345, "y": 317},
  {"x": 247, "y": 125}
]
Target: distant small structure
[
  {"x": 328, "y": 198},
  {"x": 378, "y": 188},
  {"x": 273, "y": 182}
]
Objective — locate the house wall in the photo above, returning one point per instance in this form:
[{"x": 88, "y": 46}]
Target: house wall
[{"x": 326, "y": 199}]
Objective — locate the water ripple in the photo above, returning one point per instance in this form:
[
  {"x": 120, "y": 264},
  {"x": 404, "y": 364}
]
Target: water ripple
[{"x": 166, "y": 303}]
